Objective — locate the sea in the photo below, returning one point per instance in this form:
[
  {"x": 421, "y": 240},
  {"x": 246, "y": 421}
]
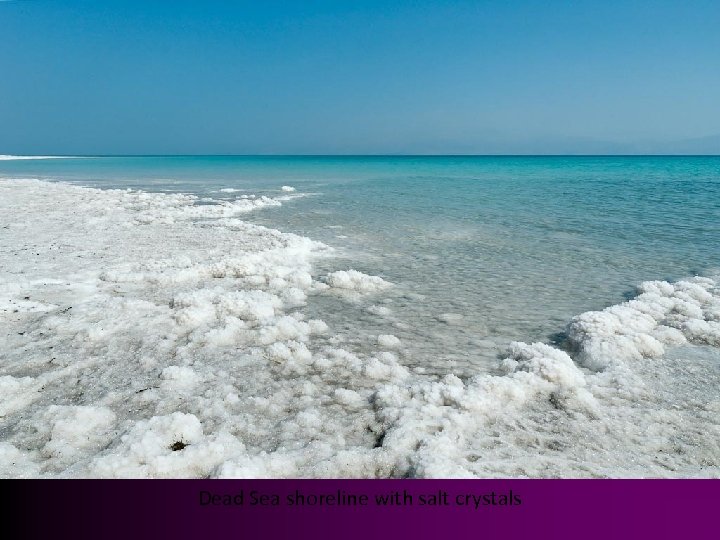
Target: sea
[
  {"x": 526, "y": 305},
  {"x": 484, "y": 250}
]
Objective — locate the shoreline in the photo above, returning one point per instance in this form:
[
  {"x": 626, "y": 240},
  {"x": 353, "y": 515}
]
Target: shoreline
[{"x": 146, "y": 322}]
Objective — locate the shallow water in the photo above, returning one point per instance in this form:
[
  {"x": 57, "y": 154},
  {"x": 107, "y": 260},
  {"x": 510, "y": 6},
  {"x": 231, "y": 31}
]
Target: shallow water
[
  {"x": 482, "y": 250},
  {"x": 133, "y": 321}
]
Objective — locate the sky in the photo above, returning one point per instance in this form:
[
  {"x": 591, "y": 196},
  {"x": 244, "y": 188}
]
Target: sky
[{"x": 362, "y": 77}]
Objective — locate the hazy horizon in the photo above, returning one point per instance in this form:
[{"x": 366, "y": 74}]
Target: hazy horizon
[
  {"x": 372, "y": 78},
  {"x": 358, "y": 155}
]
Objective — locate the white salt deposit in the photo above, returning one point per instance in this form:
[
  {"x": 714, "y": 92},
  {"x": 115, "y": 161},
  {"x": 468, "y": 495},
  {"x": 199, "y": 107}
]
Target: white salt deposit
[
  {"x": 450, "y": 318},
  {"x": 388, "y": 341},
  {"x": 6, "y": 157},
  {"x": 382, "y": 311},
  {"x": 356, "y": 281},
  {"x": 154, "y": 335}
]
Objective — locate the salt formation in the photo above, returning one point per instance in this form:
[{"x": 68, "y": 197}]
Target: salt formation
[
  {"x": 356, "y": 281},
  {"x": 663, "y": 314},
  {"x": 147, "y": 335},
  {"x": 388, "y": 341},
  {"x": 5, "y": 157}
]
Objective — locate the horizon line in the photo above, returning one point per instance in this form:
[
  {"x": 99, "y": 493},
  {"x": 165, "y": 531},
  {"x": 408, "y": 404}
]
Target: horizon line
[{"x": 52, "y": 155}]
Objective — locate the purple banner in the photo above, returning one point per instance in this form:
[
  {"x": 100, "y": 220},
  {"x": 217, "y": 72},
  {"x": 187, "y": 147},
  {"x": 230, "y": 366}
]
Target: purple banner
[{"x": 367, "y": 509}]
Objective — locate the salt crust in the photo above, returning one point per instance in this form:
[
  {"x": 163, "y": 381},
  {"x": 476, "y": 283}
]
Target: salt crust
[{"x": 146, "y": 335}]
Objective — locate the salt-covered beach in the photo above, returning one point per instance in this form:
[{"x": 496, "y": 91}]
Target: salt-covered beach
[{"x": 158, "y": 335}]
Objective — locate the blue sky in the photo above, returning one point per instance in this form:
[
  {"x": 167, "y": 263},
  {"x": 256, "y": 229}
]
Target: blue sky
[{"x": 152, "y": 77}]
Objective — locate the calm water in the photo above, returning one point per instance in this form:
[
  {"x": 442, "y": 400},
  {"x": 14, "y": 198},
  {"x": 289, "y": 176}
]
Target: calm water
[{"x": 483, "y": 250}]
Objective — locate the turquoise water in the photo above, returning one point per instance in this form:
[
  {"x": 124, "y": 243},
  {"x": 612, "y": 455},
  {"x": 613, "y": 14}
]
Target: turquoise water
[{"x": 483, "y": 250}]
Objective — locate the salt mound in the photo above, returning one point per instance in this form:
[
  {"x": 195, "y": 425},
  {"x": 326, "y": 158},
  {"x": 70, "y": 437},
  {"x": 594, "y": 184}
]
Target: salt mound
[
  {"x": 356, "y": 281},
  {"x": 388, "y": 341},
  {"x": 663, "y": 314}
]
